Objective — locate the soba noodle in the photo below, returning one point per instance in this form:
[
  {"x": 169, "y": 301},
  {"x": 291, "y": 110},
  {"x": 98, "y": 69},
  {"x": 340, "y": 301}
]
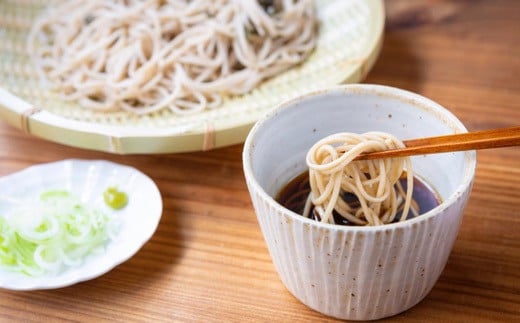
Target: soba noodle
[
  {"x": 375, "y": 183},
  {"x": 144, "y": 56}
]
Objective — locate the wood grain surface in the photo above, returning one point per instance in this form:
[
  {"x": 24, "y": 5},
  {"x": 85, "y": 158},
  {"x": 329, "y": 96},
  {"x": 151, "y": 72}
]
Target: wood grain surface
[{"x": 208, "y": 262}]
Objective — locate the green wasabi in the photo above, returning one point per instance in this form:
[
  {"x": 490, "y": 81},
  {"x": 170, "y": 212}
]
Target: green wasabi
[{"x": 114, "y": 198}]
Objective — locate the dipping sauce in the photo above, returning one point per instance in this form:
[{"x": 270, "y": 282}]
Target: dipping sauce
[{"x": 294, "y": 194}]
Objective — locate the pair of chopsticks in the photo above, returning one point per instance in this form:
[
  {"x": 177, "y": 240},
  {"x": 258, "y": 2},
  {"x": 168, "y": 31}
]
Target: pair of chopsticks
[{"x": 493, "y": 138}]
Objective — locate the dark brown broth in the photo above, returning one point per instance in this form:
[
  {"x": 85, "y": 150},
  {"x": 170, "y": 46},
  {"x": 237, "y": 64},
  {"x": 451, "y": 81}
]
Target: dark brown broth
[{"x": 294, "y": 194}]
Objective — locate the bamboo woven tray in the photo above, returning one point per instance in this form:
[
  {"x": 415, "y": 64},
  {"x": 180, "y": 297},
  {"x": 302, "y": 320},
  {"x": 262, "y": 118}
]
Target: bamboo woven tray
[{"x": 349, "y": 41}]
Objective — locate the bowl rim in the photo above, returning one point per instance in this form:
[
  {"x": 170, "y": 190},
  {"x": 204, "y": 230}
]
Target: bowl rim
[{"x": 362, "y": 89}]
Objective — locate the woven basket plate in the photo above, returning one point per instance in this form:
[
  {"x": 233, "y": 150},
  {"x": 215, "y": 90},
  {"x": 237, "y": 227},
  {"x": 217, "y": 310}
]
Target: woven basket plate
[{"x": 349, "y": 41}]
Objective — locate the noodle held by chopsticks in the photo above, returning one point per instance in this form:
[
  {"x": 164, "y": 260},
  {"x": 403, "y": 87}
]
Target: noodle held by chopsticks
[
  {"x": 145, "y": 56},
  {"x": 374, "y": 183}
]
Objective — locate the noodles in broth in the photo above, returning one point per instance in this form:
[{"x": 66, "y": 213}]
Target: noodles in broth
[
  {"x": 145, "y": 56},
  {"x": 375, "y": 183}
]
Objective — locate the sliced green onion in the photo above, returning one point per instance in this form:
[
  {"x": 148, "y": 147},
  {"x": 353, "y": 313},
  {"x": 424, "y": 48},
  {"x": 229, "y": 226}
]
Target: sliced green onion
[{"x": 47, "y": 236}]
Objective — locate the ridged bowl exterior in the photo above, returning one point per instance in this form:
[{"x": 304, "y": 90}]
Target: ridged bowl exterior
[{"x": 356, "y": 273}]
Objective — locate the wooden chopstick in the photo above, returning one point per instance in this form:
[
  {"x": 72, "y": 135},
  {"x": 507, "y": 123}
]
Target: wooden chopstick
[{"x": 493, "y": 138}]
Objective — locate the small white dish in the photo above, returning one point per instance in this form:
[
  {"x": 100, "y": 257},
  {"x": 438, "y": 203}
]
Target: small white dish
[{"x": 87, "y": 179}]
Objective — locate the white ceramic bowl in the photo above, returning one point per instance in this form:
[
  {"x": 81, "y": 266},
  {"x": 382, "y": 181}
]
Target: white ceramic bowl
[
  {"x": 86, "y": 179},
  {"x": 357, "y": 273}
]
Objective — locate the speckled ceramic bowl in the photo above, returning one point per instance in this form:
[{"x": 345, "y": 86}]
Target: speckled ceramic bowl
[{"x": 357, "y": 273}]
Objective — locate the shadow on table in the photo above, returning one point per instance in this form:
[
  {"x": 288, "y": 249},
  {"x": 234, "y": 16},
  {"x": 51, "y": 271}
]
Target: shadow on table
[
  {"x": 399, "y": 63},
  {"x": 397, "y": 66}
]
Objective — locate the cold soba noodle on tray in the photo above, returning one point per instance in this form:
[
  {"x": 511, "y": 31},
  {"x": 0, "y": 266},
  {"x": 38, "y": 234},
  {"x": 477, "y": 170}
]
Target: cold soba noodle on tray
[
  {"x": 185, "y": 56},
  {"x": 340, "y": 190}
]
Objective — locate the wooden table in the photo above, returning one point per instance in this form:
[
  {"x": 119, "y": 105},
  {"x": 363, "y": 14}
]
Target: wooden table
[{"x": 208, "y": 261}]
